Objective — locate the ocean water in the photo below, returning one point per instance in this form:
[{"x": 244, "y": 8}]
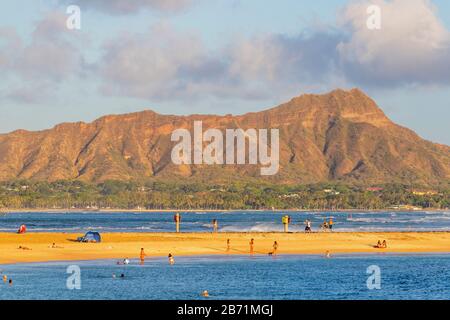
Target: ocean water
[
  {"x": 237, "y": 277},
  {"x": 240, "y": 221}
]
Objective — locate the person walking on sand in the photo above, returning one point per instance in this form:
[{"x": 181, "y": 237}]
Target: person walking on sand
[
  {"x": 215, "y": 225},
  {"x": 171, "y": 259},
  {"x": 252, "y": 246},
  {"x": 308, "y": 226},
  {"x": 142, "y": 256},
  {"x": 275, "y": 248}
]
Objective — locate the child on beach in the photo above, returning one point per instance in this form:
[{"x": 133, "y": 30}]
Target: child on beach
[{"x": 171, "y": 259}]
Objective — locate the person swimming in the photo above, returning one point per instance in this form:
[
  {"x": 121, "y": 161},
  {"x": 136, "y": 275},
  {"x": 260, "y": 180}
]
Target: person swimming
[
  {"x": 205, "y": 294},
  {"x": 171, "y": 259},
  {"x": 10, "y": 282}
]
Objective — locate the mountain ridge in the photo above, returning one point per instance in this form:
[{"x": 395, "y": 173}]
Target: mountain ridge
[{"x": 338, "y": 136}]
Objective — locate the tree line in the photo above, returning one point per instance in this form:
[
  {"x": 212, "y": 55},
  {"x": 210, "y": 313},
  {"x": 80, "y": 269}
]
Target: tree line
[{"x": 230, "y": 196}]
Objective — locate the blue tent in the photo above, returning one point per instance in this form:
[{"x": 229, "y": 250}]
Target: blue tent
[{"x": 91, "y": 236}]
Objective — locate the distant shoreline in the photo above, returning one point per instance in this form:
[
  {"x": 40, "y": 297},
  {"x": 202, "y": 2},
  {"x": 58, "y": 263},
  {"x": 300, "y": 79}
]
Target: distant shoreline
[{"x": 213, "y": 210}]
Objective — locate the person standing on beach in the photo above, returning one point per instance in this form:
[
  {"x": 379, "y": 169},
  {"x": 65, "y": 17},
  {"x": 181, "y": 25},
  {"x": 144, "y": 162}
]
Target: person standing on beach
[
  {"x": 215, "y": 225},
  {"x": 228, "y": 245},
  {"x": 330, "y": 224},
  {"x": 308, "y": 226},
  {"x": 142, "y": 256},
  {"x": 275, "y": 248},
  {"x": 252, "y": 244}
]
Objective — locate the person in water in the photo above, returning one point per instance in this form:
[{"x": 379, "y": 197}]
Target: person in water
[
  {"x": 142, "y": 256},
  {"x": 5, "y": 278},
  {"x": 10, "y": 282},
  {"x": 171, "y": 259},
  {"x": 252, "y": 246},
  {"x": 205, "y": 294}
]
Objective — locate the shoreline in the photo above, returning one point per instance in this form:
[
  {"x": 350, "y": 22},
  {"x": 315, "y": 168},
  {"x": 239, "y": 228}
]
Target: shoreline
[
  {"x": 212, "y": 210},
  {"x": 127, "y": 245}
]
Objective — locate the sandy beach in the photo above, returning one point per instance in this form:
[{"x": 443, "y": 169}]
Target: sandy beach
[{"x": 121, "y": 245}]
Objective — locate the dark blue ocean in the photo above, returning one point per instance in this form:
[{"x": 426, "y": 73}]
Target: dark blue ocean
[
  {"x": 239, "y": 221},
  {"x": 238, "y": 277}
]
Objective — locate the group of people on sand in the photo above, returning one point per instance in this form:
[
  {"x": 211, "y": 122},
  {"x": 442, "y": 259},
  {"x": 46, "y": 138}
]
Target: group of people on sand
[
  {"x": 381, "y": 245},
  {"x": 327, "y": 225},
  {"x": 252, "y": 247}
]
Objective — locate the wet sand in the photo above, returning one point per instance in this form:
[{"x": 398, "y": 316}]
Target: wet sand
[{"x": 121, "y": 245}]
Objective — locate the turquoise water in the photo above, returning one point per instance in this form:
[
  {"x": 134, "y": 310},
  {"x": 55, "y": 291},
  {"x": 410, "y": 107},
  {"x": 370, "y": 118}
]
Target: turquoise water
[
  {"x": 240, "y": 221},
  {"x": 238, "y": 277}
]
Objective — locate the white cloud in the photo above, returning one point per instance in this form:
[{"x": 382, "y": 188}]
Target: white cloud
[
  {"x": 413, "y": 46},
  {"x": 119, "y": 7},
  {"x": 31, "y": 68}
]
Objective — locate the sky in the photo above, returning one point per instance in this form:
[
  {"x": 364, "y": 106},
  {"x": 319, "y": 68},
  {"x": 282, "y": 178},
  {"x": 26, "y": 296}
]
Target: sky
[{"x": 221, "y": 57}]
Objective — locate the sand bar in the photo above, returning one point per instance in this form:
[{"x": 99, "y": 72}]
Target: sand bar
[{"x": 121, "y": 245}]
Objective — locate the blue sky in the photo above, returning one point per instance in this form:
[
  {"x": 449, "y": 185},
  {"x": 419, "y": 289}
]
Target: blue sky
[{"x": 220, "y": 56}]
